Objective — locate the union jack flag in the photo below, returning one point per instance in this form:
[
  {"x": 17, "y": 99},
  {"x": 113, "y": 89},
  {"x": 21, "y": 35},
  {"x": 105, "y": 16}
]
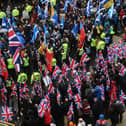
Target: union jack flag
[
  {"x": 77, "y": 81},
  {"x": 15, "y": 47},
  {"x": 58, "y": 97},
  {"x": 122, "y": 71},
  {"x": 65, "y": 69},
  {"x": 73, "y": 63},
  {"x": 70, "y": 112},
  {"x": 77, "y": 100},
  {"x": 42, "y": 108},
  {"x": 56, "y": 72},
  {"x": 3, "y": 94},
  {"x": 84, "y": 58},
  {"x": 69, "y": 92},
  {"x": 13, "y": 88},
  {"x": 37, "y": 89},
  {"x": 6, "y": 113},
  {"x": 50, "y": 88}
]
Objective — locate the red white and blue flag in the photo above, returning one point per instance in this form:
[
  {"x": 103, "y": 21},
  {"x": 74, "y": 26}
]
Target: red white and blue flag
[
  {"x": 77, "y": 100},
  {"x": 70, "y": 112},
  {"x": 58, "y": 97},
  {"x": 7, "y": 113},
  {"x": 69, "y": 92},
  {"x": 15, "y": 47},
  {"x": 57, "y": 71}
]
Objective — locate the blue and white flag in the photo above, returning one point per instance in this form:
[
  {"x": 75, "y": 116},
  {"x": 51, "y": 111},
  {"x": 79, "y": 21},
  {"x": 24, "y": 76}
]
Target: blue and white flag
[
  {"x": 35, "y": 33},
  {"x": 111, "y": 11}
]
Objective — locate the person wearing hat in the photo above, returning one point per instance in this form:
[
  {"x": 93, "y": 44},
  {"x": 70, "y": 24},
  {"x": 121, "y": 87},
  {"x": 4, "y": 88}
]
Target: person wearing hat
[
  {"x": 15, "y": 12},
  {"x": 101, "y": 121}
]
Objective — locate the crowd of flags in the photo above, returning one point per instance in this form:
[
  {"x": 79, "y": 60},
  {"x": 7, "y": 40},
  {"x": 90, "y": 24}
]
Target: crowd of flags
[{"x": 17, "y": 42}]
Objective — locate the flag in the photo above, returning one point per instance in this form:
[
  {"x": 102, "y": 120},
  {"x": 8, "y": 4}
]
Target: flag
[
  {"x": 98, "y": 19},
  {"x": 50, "y": 88},
  {"x": 88, "y": 8},
  {"x": 69, "y": 92},
  {"x": 4, "y": 22},
  {"x": 3, "y": 94},
  {"x": 75, "y": 30},
  {"x": 15, "y": 46},
  {"x": 58, "y": 97},
  {"x": 62, "y": 22},
  {"x": 54, "y": 18},
  {"x": 73, "y": 63},
  {"x": 82, "y": 35},
  {"x": 46, "y": 11},
  {"x": 42, "y": 108},
  {"x": 65, "y": 69},
  {"x": 21, "y": 38},
  {"x": 44, "y": 1},
  {"x": 65, "y": 5},
  {"x": 77, "y": 100},
  {"x": 49, "y": 57},
  {"x": 3, "y": 68},
  {"x": 57, "y": 71},
  {"x": 45, "y": 29},
  {"x": 77, "y": 81},
  {"x": 7, "y": 113},
  {"x": 35, "y": 33},
  {"x": 111, "y": 11},
  {"x": 84, "y": 58},
  {"x": 39, "y": 12},
  {"x": 70, "y": 112}
]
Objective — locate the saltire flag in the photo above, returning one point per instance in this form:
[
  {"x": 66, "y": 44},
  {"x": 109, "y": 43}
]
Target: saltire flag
[
  {"x": 84, "y": 58},
  {"x": 89, "y": 7},
  {"x": 54, "y": 18},
  {"x": 35, "y": 33},
  {"x": 45, "y": 29},
  {"x": 69, "y": 92},
  {"x": 7, "y": 113},
  {"x": 15, "y": 46},
  {"x": 111, "y": 11},
  {"x": 122, "y": 98},
  {"x": 39, "y": 12},
  {"x": 49, "y": 57},
  {"x": 21, "y": 38},
  {"x": 65, "y": 5},
  {"x": 56, "y": 72},
  {"x": 82, "y": 35},
  {"x": 98, "y": 19},
  {"x": 4, "y": 23},
  {"x": 62, "y": 22},
  {"x": 58, "y": 97},
  {"x": 75, "y": 30},
  {"x": 46, "y": 11},
  {"x": 70, "y": 112},
  {"x": 77, "y": 100}
]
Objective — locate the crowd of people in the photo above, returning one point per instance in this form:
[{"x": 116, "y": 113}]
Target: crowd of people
[{"x": 59, "y": 64}]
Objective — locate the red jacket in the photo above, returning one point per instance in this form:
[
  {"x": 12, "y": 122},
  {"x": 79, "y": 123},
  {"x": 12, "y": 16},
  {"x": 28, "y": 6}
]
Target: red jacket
[{"x": 47, "y": 117}]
